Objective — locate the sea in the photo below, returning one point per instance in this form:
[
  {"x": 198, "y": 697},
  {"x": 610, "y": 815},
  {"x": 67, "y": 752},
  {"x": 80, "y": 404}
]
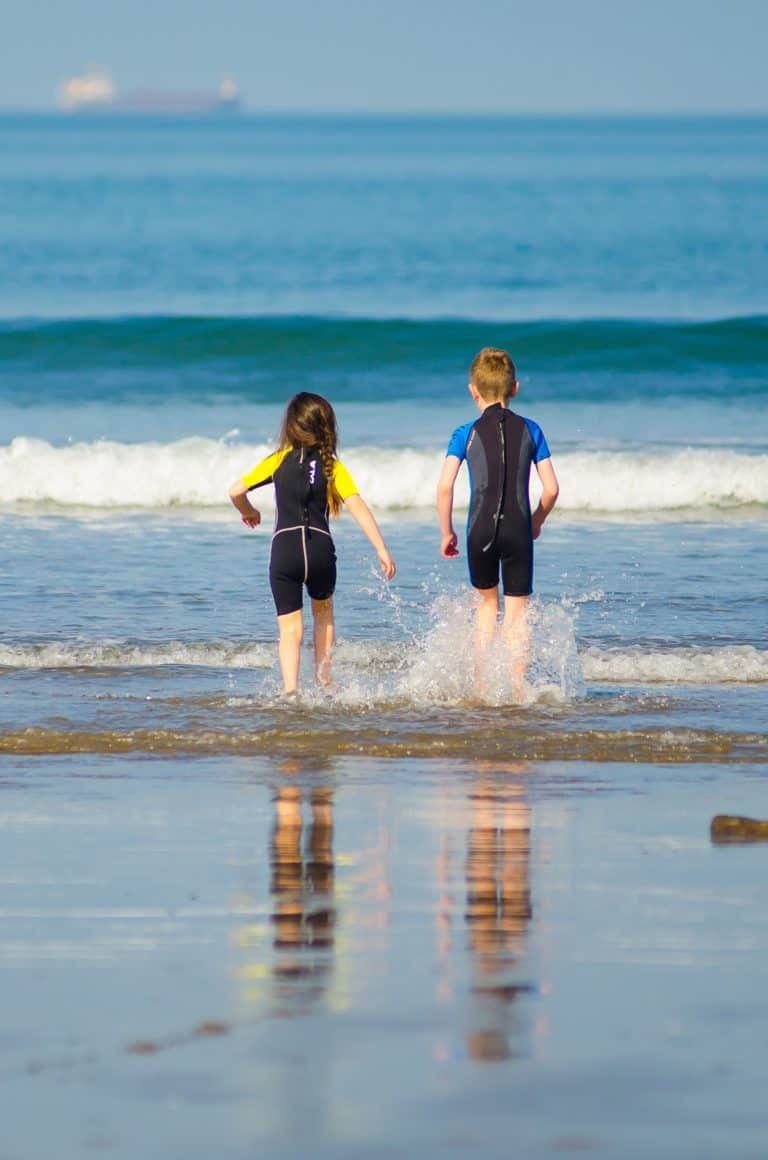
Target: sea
[{"x": 165, "y": 286}]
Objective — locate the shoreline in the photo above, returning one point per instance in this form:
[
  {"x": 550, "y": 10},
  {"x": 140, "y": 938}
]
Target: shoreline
[{"x": 666, "y": 745}]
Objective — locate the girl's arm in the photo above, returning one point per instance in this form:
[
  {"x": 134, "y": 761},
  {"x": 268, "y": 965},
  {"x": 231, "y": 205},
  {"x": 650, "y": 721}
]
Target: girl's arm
[
  {"x": 548, "y": 496},
  {"x": 250, "y": 515},
  {"x": 363, "y": 516},
  {"x": 262, "y": 473}
]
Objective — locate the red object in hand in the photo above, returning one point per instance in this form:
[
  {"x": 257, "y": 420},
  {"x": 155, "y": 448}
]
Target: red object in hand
[{"x": 449, "y": 546}]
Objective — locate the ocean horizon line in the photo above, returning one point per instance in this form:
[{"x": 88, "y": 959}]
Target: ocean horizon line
[
  {"x": 254, "y": 113},
  {"x": 11, "y": 322}
]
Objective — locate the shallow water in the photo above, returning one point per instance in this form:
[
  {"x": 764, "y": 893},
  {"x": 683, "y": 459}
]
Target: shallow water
[{"x": 641, "y": 645}]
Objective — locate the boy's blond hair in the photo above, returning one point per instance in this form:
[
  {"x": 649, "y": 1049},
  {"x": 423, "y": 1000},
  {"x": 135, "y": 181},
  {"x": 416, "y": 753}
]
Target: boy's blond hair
[{"x": 492, "y": 374}]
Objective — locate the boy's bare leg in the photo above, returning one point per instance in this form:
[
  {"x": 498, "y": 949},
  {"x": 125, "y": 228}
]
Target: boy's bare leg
[
  {"x": 517, "y": 635},
  {"x": 487, "y": 619},
  {"x": 487, "y": 615},
  {"x": 324, "y": 632},
  {"x": 291, "y": 628}
]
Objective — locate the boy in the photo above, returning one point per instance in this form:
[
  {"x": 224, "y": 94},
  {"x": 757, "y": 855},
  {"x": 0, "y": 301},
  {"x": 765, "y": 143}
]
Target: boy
[{"x": 499, "y": 448}]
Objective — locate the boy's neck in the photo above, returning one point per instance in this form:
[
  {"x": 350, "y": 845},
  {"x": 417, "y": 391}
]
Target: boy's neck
[{"x": 482, "y": 405}]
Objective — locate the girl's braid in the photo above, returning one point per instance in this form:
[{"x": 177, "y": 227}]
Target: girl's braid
[{"x": 326, "y": 449}]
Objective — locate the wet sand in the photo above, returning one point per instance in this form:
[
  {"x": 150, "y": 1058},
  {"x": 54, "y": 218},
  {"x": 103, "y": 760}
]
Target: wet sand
[{"x": 240, "y": 956}]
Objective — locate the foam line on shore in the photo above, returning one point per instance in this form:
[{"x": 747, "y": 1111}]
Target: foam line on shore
[{"x": 632, "y": 665}]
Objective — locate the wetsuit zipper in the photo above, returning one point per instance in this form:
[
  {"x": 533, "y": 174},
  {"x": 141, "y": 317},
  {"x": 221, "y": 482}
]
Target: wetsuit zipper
[{"x": 502, "y": 484}]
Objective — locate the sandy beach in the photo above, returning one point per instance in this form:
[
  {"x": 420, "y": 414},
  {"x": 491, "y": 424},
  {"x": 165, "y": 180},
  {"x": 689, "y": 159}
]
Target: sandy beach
[{"x": 369, "y": 958}]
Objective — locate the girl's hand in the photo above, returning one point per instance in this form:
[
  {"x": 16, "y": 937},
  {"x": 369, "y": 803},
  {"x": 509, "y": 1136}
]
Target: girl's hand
[
  {"x": 238, "y": 493},
  {"x": 363, "y": 516},
  {"x": 388, "y": 565},
  {"x": 449, "y": 546}
]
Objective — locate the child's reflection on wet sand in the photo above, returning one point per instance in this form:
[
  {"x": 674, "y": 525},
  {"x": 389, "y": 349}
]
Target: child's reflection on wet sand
[
  {"x": 498, "y": 913},
  {"x": 481, "y": 831},
  {"x": 303, "y": 913}
]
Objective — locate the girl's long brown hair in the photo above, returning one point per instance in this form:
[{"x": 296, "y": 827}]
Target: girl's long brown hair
[{"x": 310, "y": 422}]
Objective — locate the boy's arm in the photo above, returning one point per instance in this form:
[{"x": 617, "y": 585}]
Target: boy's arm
[
  {"x": 445, "y": 486},
  {"x": 551, "y": 490},
  {"x": 364, "y": 517}
]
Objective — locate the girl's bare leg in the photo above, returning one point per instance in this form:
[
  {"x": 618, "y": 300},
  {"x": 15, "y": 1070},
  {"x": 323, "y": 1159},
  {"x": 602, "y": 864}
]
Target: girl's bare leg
[
  {"x": 291, "y": 628},
  {"x": 324, "y": 632},
  {"x": 517, "y": 635}
]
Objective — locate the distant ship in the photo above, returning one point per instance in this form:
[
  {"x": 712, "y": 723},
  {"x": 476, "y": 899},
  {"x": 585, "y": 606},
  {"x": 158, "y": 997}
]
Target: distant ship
[
  {"x": 95, "y": 92},
  {"x": 91, "y": 90}
]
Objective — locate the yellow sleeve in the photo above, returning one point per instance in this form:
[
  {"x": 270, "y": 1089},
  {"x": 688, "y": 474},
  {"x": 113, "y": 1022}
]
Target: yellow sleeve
[
  {"x": 264, "y": 472},
  {"x": 343, "y": 481}
]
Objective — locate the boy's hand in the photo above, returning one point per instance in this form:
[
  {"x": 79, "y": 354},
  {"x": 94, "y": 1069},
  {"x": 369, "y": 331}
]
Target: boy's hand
[
  {"x": 388, "y": 566},
  {"x": 537, "y": 522},
  {"x": 253, "y": 520},
  {"x": 449, "y": 545}
]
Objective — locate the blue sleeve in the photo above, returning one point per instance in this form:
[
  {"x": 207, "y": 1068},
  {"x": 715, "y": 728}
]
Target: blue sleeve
[
  {"x": 540, "y": 445},
  {"x": 458, "y": 442}
]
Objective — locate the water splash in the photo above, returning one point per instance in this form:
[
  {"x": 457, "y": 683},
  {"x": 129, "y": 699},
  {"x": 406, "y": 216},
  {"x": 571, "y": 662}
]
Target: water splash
[{"x": 447, "y": 665}]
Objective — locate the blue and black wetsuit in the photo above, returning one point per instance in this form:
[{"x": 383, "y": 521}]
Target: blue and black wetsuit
[
  {"x": 499, "y": 448},
  {"x": 302, "y": 552}
]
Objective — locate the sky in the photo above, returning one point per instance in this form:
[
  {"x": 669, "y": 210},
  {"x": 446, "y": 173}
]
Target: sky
[{"x": 430, "y": 56}]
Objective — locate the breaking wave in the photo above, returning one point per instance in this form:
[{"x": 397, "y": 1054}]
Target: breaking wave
[{"x": 197, "y": 472}]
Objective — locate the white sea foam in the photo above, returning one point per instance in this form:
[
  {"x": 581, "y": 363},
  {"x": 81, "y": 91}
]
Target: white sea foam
[
  {"x": 437, "y": 665},
  {"x": 125, "y": 655},
  {"x": 727, "y": 664},
  {"x": 440, "y": 667},
  {"x": 197, "y": 472}
]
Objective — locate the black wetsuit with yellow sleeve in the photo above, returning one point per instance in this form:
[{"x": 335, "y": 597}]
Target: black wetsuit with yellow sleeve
[{"x": 302, "y": 552}]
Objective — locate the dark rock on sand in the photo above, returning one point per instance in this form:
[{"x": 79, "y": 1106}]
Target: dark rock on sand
[{"x": 732, "y": 828}]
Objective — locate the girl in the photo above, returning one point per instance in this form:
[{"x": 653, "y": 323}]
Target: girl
[{"x": 310, "y": 483}]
